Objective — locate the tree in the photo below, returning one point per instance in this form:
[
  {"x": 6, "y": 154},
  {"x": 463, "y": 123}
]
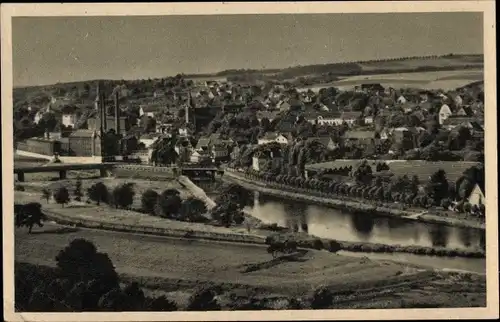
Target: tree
[
  {"x": 28, "y": 215},
  {"x": 123, "y": 195},
  {"x": 437, "y": 188},
  {"x": 61, "y": 196},
  {"x": 203, "y": 299},
  {"x": 80, "y": 262},
  {"x": 192, "y": 209},
  {"x": 78, "y": 190},
  {"x": 149, "y": 199},
  {"x": 169, "y": 203},
  {"x": 98, "y": 193},
  {"x": 46, "y": 194}
]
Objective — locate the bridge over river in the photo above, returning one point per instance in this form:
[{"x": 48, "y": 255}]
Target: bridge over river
[{"x": 191, "y": 171}]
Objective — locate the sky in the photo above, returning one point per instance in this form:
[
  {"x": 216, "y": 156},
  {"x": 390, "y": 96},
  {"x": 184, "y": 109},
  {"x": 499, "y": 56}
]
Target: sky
[{"x": 47, "y": 50}]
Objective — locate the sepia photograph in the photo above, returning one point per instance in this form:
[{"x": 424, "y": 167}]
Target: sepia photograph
[{"x": 206, "y": 159}]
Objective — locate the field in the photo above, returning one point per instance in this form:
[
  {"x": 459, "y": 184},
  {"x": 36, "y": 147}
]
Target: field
[
  {"x": 170, "y": 265},
  {"x": 446, "y": 80},
  {"x": 420, "y": 62},
  {"x": 139, "y": 186},
  {"x": 422, "y": 169}
]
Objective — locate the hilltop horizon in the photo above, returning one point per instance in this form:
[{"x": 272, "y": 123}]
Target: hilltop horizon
[{"x": 229, "y": 72}]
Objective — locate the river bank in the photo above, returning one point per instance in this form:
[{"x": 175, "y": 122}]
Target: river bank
[
  {"x": 107, "y": 218},
  {"x": 231, "y": 176}
]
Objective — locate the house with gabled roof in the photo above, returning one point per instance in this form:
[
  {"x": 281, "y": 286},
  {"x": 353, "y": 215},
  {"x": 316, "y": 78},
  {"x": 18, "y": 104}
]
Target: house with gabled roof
[
  {"x": 326, "y": 141},
  {"x": 270, "y": 137},
  {"x": 203, "y": 144},
  {"x": 350, "y": 116},
  {"x": 444, "y": 113},
  {"x": 477, "y": 195},
  {"x": 359, "y": 137},
  {"x": 150, "y": 110},
  {"x": 401, "y": 99}
]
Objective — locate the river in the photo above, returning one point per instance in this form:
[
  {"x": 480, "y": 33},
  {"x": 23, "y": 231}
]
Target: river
[{"x": 330, "y": 223}]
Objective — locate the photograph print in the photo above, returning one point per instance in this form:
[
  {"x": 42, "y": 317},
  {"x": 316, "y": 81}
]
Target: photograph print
[{"x": 250, "y": 161}]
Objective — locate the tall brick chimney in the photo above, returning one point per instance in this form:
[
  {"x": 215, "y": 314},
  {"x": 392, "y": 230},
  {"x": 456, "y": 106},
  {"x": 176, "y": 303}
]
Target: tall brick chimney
[
  {"x": 117, "y": 113},
  {"x": 98, "y": 107}
]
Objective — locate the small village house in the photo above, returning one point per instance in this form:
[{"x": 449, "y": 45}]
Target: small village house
[
  {"x": 444, "y": 113},
  {"x": 326, "y": 141},
  {"x": 350, "y": 117},
  {"x": 476, "y": 197},
  {"x": 270, "y": 137},
  {"x": 69, "y": 117},
  {"x": 150, "y": 110}
]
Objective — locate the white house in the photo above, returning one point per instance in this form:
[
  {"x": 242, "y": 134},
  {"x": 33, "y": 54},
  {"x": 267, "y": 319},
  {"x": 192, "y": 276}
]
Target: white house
[
  {"x": 270, "y": 137},
  {"x": 69, "y": 119},
  {"x": 476, "y": 196},
  {"x": 401, "y": 99},
  {"x": 368, "y": 119},
  {"x": 444, "y": 113},
  {"x": 149, "y": 110}
]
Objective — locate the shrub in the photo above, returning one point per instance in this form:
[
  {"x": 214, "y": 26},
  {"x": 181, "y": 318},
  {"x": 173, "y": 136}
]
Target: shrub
[
  {"x": 317, "y": 244},
  {"x": 445, "y": 203},
  {"x": 321, "y": 298},
  {"x": 148, "y": 200},
  {"x": 334, "y": 246},
  {"x": 61, "y": 196},
  {"x": 203, "y": 299},
  {"x": 19, "y": 187}
]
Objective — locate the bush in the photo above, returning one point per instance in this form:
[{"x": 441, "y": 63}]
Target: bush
[
  {"x": 61, "y": 196},
  {"x": 334, "y": 246},
  {"x": 317, "y": 244},
  {"x": 203, "y": 299},
  {"x": 322, "y": 298},
  {"x": 148, "y": 201},
  {"x": 445, "y": 203},
  {"x": 18, "y": 187}
]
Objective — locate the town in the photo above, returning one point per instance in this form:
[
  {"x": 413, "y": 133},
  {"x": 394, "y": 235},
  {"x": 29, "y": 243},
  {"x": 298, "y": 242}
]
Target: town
[
  {"x": 161, "y": 164},
  {"x": 271, "y": 128}
]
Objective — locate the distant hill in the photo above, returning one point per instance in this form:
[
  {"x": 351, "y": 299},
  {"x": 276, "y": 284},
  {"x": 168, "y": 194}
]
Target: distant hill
[
  {"x": 83, "y": 92},
  {"x": 392, "y": 65}
]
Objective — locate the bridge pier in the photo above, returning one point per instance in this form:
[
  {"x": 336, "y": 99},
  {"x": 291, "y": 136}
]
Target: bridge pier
[
  {"x": 20, "y": 176},
  {"x": 103, "y": 173},
  {"x": 62, "y": 174}
]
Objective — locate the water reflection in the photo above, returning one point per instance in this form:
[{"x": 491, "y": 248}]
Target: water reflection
[
  {"x": 439, "y": 236},
  {"x": 330, "y": 223},
  {"x": 363, "y": 225}
]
